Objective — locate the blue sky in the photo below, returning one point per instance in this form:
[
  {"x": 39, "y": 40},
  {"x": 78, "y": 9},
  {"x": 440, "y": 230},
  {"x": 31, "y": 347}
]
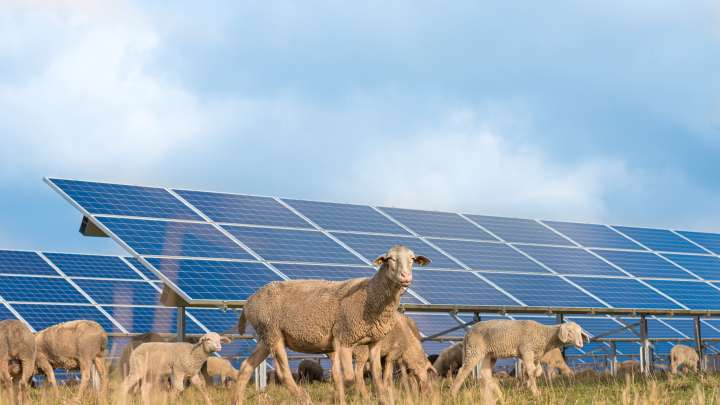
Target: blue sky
[{"x": 578, "y": 110}]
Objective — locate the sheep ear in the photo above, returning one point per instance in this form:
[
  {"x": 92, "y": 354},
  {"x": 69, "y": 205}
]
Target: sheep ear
[
  {"x": 380, "y": 260},
  {"x": 422, "y": 260},
  {"x": 431, "y": 370},
  {"x": 225, "y": 339}
]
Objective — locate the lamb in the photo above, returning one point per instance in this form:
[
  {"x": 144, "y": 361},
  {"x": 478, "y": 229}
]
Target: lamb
[
  {"x": 319, "y": 316},
  {"x": 491, "y": 340},
  {"x": 222, "y": 368},
  {"x": 310, "y": 371},
  {"x": 72, "y": 345},
  {"x": 151, "y": 362},
  {"x": 123, "y": 365},
  {"x": 17, "y": 345},
  {"x": 554, "y": 361},
  {"x": 683, "y": 355},
  {"x": 449, "y": 361},
  {"x": 401, "y": 344}
]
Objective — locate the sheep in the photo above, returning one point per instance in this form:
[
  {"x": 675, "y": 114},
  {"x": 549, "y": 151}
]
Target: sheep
[
  {"x": 401, "y": 344},
  {"x": 683, "y": 355},
  {"x": 123, "y": 365},
  {"x": 319, "y": 316},
  {"x": 628, "y": 367},
  {"x": 310, "y": 371},
  {"x": 17, "y": 346},
  {"x": 491, "y": 340},
  {"x": 553, "y": 360},
  {"x": 222, "y": 368},
  {"x": 153, "y": 361},
  {"x": 449, "y": 361},
  {"x": 72, "y": 345}
]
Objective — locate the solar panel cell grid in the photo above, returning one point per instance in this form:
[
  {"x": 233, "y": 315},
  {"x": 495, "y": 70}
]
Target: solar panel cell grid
[
  {"x": 659, "y": 239},
  {"x": 41, "y": 316},
  {"x": 147, "y": 319},
  {"x": 457, "y": 287},
  {"x": 27, "y": 263},
  {"x": 542, "y": 291},
  {"x": 141, "y": 268},
  {"x": 75, "y": 265},
  {"x": 710, "y": 241},
  {"x": 694, "y": 295},
  {"x": 593, "y": 235},
  {"x": 372, "y": 246},
  {"x": 431, "y": 324},
  {"x": 706, "y": 267},
  {"x": 117, "y": 292},
  {"x": 5, "y": 313},
  {"x": 642, "y": 264},
  {"x": 519, "y": 230},
  {"x": 570, "y": 260},
  {"x": 488, "y": 256},
  {"x": 309, "y": 271},
  {"x": 117, "y": 199},
  {"x": 624, "y": 293},
  {"x": 438, "y": 224},
  {"x": 39, "y": 289},
  {"x": 219, "y": 321},
  {"x": 346, "y": 217},
  {"x": 597, "y": 326}
]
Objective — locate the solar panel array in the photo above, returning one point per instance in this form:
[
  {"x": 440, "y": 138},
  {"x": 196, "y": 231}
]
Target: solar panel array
[{"x": 219, "y": 247}]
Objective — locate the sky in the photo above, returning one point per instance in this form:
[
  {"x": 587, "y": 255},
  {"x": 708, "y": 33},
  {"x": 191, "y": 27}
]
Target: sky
[{"x": 571, "y": 110}]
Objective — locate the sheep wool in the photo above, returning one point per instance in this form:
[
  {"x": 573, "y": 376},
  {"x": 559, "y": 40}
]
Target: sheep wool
[{"x": 17, "y": 350}]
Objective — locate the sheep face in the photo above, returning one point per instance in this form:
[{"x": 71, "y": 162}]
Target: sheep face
[
  {"x": 424, "y": 375},
  {"x": 571, "y": 333},
  {"x": 212, "y": 342},
  {"x": 399, "y": 261}
]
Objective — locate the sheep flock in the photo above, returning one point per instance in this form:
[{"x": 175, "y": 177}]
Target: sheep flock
[{"x": 355, "y": 323}]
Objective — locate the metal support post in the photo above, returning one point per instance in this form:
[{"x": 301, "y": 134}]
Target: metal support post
[
  {"x": 261, "y": 376},
  {"x": 476, "y": 370},
  {"x": 645, "y": 352},
  {"x": 613, "y": 359},
  {"x": 699, "y": 344},
  {"x": 559, "y": 319},
  {"x": 181, "y": 324}
]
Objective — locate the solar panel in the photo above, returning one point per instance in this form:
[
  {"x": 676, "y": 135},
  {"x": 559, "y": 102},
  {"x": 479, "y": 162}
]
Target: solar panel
[
  {"x": 593, "y": 235},
  {"x": 163, "y": 238},
  {"x": 74, "y": 265},
  {"x": 217, "y": 320},
  {"x": 238, "y": 348},
  {"x": 519, "y": 230},
  {"x": 149, "y": 319},
  {"x": 214, "y": 279},
  {"x": 431, "y": 324},
  {"x": 488, "y": 256},
  {"x": 293, "y": 245},
  {"x": 457, "y": 287},
  {"x": 624, "y": 292},
  {"x": 39, "y": 289},
  {"x": 346, "y": 217},
  {"x": 656, "y": 328},
  {"x": 641, "y": 264},
  {"x": 570, "y": 260},
  {"x": 141, "y": 268},
  {"x": 659, "y": 239},
  {"x": 243, "y": 209},
  {"x": 372, "y": 246},
  {"x": 5, "y": 313},
  {"x": 706, "y": 267},
  {"x": 543, "y": 291},
  {"x": 26, "y": 263},
  {"x": 438, "y": 224},
  {"x": 118, "y": 199},
  {"x": 41, "y": 316},
  {"x": 687, "y": 327},
  {"x": 710, "y": 241},
  {"x": 694, "y": 295},
  {"x": 120, "y": 292},
  {"x": 601, "y": 325}
]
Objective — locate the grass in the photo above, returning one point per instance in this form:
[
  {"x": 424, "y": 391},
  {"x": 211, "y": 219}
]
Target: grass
[{"x": 599, "y": 390}]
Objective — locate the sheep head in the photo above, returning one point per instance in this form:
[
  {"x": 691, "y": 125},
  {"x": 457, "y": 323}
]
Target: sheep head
[
  {"x": 399, "y": 261},
  {"x": 571, "y": 333},
  {"x": 212, "y": 342}
]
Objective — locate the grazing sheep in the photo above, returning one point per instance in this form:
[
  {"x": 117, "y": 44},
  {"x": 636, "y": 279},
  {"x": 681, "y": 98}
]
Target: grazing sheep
[
  {"x": 554, "y": 361},
  {"x": 449, "y": 361},
  {"x": 17, "y": 346},
  {"x": 628, "y": 367},
  {"x": 151, "y": 362},
  {"x": 683, "y": 355},
  {"x": 221, "y": 368},
  {"x": 491, "y": 340},
  {"x": 123, "y": 365},
  {"x": 72, "y": 345},
  {"x": 402, "y": 344},
  {"x": 310, "y": 371}
]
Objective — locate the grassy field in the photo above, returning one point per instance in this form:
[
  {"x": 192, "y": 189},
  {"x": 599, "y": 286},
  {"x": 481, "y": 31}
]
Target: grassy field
[{"x": 599, "y": 390}]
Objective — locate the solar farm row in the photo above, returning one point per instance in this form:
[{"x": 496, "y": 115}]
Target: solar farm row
[{"x": 219, "y": 247}]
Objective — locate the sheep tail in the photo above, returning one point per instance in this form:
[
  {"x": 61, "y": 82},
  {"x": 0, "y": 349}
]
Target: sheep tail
[{"x": 241, "y": 323}]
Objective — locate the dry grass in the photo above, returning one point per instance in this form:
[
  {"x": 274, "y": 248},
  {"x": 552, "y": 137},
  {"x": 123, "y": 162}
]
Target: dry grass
[{"x": 599, "y": 390}]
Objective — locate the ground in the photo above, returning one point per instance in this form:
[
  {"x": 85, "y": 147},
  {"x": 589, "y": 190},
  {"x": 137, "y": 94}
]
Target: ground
[{"x": 598, "y": 390}]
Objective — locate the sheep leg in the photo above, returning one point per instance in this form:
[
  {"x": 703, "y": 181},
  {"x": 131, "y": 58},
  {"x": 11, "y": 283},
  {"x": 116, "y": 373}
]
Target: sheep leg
[
  {"x": 337, "y": 375},
  {"x": 388, "y": 378},
  {"x": 199, "y": 383},
  {"x": 376, "y": 372},
  {"x": 490, "y": 384},
  {"x": 129, "y": 384},
  {"x": 360, "y": 360},
  {"x": 28, "y": 370},
  {"x": 6, "y": 379},
  {"x": 470, "y": 360},
  {"x": 347, "y": 367},
  {"x": 246, "y": 369},
  {"x": 285, "y": 373},
  {"x": 47, "y": 369},
  {"x": 101, "y": 367},
  {"x": 85, "y": 366},
  {"x": 528, "y": 358},
  {"x": 146, "y": 386}
]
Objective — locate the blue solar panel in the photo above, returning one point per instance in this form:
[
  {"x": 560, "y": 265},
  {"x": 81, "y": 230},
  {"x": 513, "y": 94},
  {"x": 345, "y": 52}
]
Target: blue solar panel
[
  {"x": 92, "y": 266},
  {"x": 30, "y": 263},
  {"x": 142, "y": 269},
  {"x": 570, "y": 260},
  {"x": 644, "y": 264},
  {"x": 659, "y": 239},
  {"x": 601, "y": 325},
  {"x": 39, "y": 289},
  {"x": 148, "y": 319},
  {"x": 217, "y": 320},
  {"x": 372, "y": 246},
  {"x": 710, "y": 241},
  {"x": 438, "y": 224},
  {"x": 5, "y": 313},
  {"x": 712, "y": 323},
  {"x": 656, "y": 329},
  {"x": 162, "y": 238},
  {"x": 238, "y": 348},
  {"x": 457, "y": 287},
  {"x": 41, "y": 316},
  {"x": 694, "y": 295},
  {"x": 346, "y": 217},
  {"x": 293, "y": 245},
  {"x": 431, "y": 324},
  {"x": 706, "y": 267},
  {"x": 215, "y": 280},
  {"x": 434, "y": 347},
  {"x": 119, "y": 292},
  {"x": 592, "y": 235},
  {"x": 519, "y": 230},
  {"x": 624, "y": 293},
  {"x": 243, "y": 209},
  {"x": 117, "y": 199},
  {"x": 488, "y": 256},
  {"x": 687, "y": 327},
  {"x": 543, "y": 291}
]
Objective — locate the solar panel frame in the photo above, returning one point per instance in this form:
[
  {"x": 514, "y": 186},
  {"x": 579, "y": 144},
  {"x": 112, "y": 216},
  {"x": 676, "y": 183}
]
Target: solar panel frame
[
  {"x": 704, "y": 266},
  {"x": 593, "y": 235},
  {"x": 119, "y": 292},
  {"x": 476, "y": 290},
  {"x": 519, "y": 230},
  {"x": 84, "y": 265},
  {"x": 436, "y": 224},
  {"x": 610, "y": 290},
  {"x": 42, "y": 315},
  {"x": 21, "y": 262},
  {"x": 709, "y": 241},
  {"x": 570, "y": 261},
  {"x": 661, "y": 240},
  {"x": 358, "y": 218},
  {"x": 40, "y": 289},
  {"x": 644, "y": 264},
  {"x": 534, "y": 289},
  {"x": 489, "y": 256}
]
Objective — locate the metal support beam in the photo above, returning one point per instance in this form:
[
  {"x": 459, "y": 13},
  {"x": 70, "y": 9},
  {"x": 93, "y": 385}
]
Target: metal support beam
[
  {"x": 645, "y": 351},
  {"x": 181, "y": 324},
  {"x": 613, "y": 359},
  {"x": 559, "y": 319},
  {"x": 476, "y": 370},
  {"x": 699, "y": 344},
  {"x": 261, "y": 376}
]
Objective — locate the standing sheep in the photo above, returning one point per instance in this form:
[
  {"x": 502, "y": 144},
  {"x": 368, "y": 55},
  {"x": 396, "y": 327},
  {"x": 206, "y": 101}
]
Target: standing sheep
[
  {"x": 318, "y": 316},
  {"x": 17, "y": 345},
  {"x": 554, "y": 361},
  {"x": 151, "y": 362},
  {"x": 72, "y": 345},
  {"x": 221, "y": 368},
  {"x": 310, "y": 371},
  {"x": 449, "y": 361},
  {"x": 683, "y": 355},
  {"x": 498, "y": 339}
]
